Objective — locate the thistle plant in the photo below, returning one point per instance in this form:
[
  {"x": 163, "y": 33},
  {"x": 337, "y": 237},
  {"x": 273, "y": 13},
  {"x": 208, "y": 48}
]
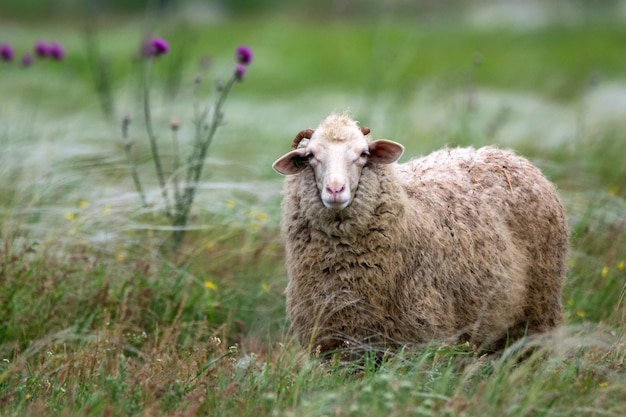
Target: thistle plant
[
  {"x": 42, "y": 50},
  {"x": 52, "y": 50},
  {"x": 6, "y": 52},
  {"x": 178, "y": 193}
]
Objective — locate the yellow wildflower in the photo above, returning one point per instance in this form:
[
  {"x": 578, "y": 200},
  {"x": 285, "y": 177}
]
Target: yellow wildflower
[
  {"x": 210, "y": 285},
  {"x": 613, "y": 190},
  {"x": 28, "y": 396},
  {"x": 70, "y": 216},
  {"x": 581, "y": 313},
  {"x": 258, "y": 215},
  {"x": 605, "y": 272},
  {"x": 230, "y": 204},
  {"x": 106, "y": 210},
  {"x": 120, "y": 256},
  {"x": 265, "y": 287},
  {"x": 83, "y": 204},
  {"x": 210, "y": 246},
  {"x": 622, "y": 265}
]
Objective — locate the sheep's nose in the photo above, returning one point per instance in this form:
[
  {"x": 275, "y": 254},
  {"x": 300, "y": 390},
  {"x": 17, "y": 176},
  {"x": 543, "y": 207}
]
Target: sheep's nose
[{"x": 335, "y": 190}]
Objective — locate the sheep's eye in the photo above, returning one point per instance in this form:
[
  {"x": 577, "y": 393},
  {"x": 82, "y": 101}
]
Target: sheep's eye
[{"x": 365, "y": 154}]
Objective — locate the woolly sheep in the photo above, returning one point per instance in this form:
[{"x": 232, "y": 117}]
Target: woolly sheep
[{"x": 463, "y": 245}]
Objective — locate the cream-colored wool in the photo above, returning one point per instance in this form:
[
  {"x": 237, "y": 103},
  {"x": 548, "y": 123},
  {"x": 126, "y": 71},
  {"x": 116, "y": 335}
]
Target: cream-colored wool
[{"x": 460, "y": 245}]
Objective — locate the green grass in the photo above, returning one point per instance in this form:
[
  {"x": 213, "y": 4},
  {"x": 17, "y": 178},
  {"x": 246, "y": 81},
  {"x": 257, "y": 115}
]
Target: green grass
[{"x": 96, "y": 321}]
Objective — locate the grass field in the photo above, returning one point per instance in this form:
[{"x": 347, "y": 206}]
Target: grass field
[{"x": 96, "y": 321}]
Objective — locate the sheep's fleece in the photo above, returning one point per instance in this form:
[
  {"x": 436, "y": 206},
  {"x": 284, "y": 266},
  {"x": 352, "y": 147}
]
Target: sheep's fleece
[{"x": 462, "y": 245}]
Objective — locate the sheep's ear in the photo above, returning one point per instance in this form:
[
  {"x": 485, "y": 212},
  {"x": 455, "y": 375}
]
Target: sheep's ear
[
  {"x": 291, "y": 163},
  {"x": 383, "y": 151}
]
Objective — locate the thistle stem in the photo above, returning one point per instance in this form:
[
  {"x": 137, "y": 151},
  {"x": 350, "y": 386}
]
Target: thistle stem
[
  {"x": 133, "y": 165},
  {"x": 153, "y": 143},
  {"x": 176, "y": 165},
  {"x": 196, "y": 166},
  {"x": 196, "y": 160}
]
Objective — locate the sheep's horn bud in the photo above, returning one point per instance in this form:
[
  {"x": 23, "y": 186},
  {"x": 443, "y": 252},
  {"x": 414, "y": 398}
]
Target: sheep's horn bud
[
  {"x": 303, "y": 134},
  {"x": 365, "y": 130}
]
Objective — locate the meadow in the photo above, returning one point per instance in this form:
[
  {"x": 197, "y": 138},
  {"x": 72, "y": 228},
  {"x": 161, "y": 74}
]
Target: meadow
[{"x": 96, "y": 319}]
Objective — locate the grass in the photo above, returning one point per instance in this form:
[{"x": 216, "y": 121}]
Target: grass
[{"x": 96, "y": 321}]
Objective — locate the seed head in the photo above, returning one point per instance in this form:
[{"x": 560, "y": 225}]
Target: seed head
[
  {"x": 27, "y": 60},
  {"x": 156, "y": 47},
  {"x": 125, "y": 124},
  {"x": 174, "y": 124},
  {"x": 56, "y": 51},
  {"x": 243, "y": 54},
  {"x": 240, "y": 72},
  {"x": 6, "y": 52},
  {"x": 41, "y": 49}
]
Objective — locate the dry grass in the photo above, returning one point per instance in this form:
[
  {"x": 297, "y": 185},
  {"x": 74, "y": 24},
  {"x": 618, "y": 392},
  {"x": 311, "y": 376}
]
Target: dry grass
[{"x": 95, "y": 321}]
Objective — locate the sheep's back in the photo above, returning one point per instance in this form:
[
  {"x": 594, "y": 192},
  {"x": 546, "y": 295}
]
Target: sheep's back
[
  {"x": 501, "y": 235},
  {"x": 487, "y": 184}
]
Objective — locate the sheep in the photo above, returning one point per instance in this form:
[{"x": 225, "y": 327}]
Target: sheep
[{"x": 461, "y": 246}]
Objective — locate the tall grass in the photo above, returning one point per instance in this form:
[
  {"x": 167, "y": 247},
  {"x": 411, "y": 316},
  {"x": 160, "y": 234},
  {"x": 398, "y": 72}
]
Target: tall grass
[{"x": 96, "y": 321}]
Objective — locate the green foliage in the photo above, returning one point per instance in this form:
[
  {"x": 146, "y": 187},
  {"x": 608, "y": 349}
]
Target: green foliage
[{"x": 96, "y": 321}]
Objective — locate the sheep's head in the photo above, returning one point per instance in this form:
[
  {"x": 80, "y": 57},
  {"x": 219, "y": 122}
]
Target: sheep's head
[{"x": 336, "y": 151}]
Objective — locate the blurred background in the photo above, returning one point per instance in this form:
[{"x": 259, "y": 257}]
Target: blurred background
[{"x": 532, "y": 12}]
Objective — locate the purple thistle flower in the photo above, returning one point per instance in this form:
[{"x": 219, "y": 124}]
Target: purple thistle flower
[
  {"x": 243, "y": 54},
  {"x": 240, "y": 72},
  {"x": 156, "y": 47},
  {"x": 6, "y": 52},
  {"x": 41, "y": 49},
  {"x": 56, "y": 51},
  {"x": 27, "y": 60}
]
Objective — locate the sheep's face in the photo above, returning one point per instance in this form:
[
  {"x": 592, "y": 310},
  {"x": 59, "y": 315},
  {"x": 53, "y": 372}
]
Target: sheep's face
[{"x": 337, "y": 154}]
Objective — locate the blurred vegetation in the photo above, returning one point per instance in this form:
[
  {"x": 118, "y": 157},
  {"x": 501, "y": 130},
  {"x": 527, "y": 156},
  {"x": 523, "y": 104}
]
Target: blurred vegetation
[
  {"x": 419, "y": 9},
  {"x": 95, "y": 321},
  {"x": 391, "y": 55}
]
